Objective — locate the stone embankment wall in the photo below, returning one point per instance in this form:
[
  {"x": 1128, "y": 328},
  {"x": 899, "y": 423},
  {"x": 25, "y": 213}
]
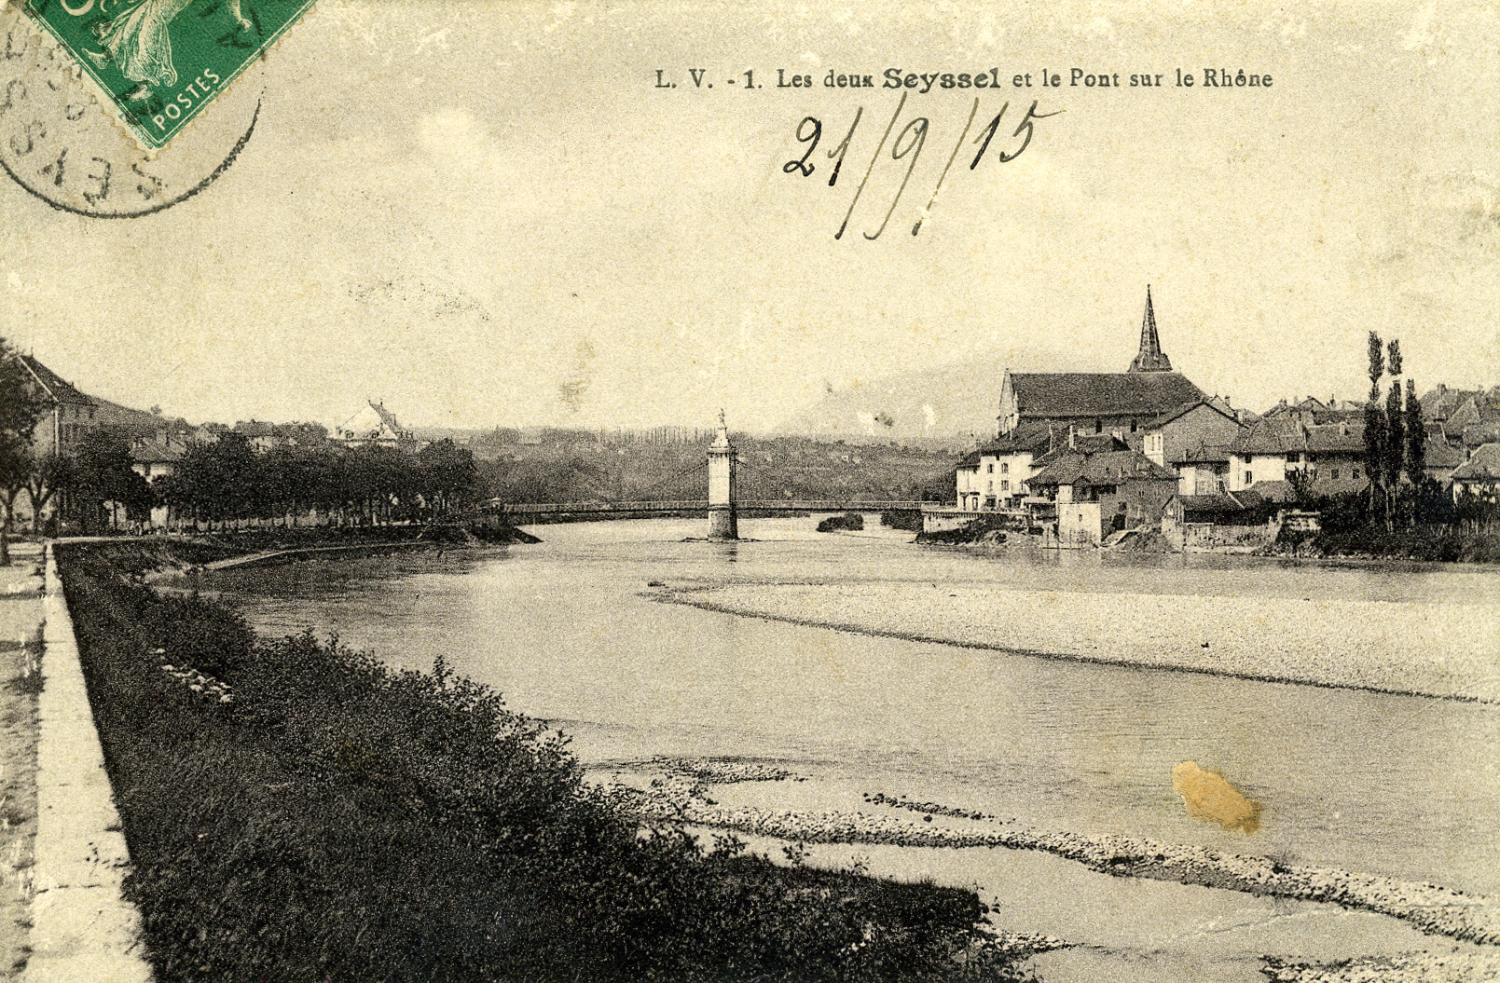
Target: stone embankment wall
[{"x": 83, "y": 928}]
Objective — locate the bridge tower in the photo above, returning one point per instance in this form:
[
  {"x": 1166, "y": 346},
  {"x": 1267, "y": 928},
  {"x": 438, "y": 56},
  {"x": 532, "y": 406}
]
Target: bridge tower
[{"x": 723, "y": 523}]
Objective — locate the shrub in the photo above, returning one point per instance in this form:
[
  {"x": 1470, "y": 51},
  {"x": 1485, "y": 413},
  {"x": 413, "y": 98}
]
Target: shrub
[{"x": 849, "y": 521}]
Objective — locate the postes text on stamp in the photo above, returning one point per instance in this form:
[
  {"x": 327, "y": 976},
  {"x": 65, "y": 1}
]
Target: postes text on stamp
[{"x": 160, "y": 62}]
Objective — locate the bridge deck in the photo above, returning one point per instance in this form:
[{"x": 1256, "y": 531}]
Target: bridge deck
[{"x": 694, "y": 505}]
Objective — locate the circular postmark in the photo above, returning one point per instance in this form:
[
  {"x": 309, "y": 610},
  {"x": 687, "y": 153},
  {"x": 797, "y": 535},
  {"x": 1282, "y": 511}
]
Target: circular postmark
[{"x": 61, "y": 145}]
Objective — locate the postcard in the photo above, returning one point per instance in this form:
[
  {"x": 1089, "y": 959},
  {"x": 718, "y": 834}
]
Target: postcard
[{"x": 681, "y": 491}]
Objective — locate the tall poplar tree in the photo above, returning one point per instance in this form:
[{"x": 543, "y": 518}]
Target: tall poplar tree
[{"x": 1375, "y": 435}]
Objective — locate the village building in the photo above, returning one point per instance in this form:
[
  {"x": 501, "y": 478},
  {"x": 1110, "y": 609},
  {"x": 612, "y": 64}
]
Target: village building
[
  {"x": 375, "y": 426},
  {"x": 1100, "y": 493},
  {"x": 1193, "y": 440},
  {"x": 1479, "y": 476},
  {"x": 69, "y": 412},
  {"x": 156, "y": 456},
  {"x": 1006, "y": 464},
  {"x": 1202, "y": 470},
  {"x": 1100, "y": 402},
  {"x": 1217, "y": 521},
  {"x": 1284, "y": 442},
  {"x": 969, "y": 490}
]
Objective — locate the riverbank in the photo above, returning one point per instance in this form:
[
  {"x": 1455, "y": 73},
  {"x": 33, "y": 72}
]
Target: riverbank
[
  {"x": 1425, "y": 544},
  {"x": 310, "y": 813},
  {"x": 1446, "y": 650}
]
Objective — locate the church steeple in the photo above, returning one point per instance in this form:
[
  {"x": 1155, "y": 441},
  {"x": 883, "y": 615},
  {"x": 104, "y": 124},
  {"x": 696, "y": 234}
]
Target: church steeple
[{"x": 1150, "y": 358}]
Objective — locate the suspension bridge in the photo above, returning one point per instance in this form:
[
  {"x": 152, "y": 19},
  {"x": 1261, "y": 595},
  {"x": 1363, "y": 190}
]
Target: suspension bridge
[{"x": 731, "y": 486}]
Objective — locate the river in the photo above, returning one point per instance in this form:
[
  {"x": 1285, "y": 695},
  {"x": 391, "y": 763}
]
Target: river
[{"x": 1403, "y": 786}]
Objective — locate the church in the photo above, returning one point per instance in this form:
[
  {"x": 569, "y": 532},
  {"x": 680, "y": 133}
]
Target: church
[{"x": 1099, "y": 402}]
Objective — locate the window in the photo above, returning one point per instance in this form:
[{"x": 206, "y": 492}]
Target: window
[
  {"x": 1005, "y": 467},
  {"x": 1249, "y": 479},
  {"x": 1354, "y": 472},
  {"x": 1005, "y": 486},
  {"x": 991, "y": 467},
  {"x": 1098, "y": 425},
  {"x": 1335, "y": 474}
]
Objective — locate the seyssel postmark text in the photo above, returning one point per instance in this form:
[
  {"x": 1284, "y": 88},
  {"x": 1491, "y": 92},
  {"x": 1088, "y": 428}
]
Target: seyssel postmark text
[
  {"x": 60, "y": 145},
  {"x": 160, "y": 62}
]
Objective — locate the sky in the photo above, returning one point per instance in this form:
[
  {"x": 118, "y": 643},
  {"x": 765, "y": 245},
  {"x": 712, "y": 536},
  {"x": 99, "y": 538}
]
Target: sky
[{"x": 488, "y": 214}]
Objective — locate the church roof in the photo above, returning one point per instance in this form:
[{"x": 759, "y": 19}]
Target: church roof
[{"x": 1061, "y": 395}]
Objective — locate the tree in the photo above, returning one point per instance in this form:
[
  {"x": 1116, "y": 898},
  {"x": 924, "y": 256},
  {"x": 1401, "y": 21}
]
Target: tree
[
  {"x": 1375, "y": 434},
  {"x": 1416, "y": 437},
  {"x": 21, "y": 407},
  {"x": 50, "y": 473},
  {"x": 105, "y": 472},
  {"x": 1394, "y": 457},
  {"x": 448, "y": 476}
]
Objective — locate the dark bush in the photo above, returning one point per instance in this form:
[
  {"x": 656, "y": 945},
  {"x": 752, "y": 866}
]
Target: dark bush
[
  {"x": 907, "y": 519},
  {"x": 848, "y": 522}
]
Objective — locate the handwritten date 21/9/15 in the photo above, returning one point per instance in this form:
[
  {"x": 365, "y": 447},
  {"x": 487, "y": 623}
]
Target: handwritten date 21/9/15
[{"x": 907, "y": 148}]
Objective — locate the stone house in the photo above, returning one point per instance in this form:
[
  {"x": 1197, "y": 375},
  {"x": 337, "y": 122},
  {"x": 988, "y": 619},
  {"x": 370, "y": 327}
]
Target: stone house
[
  {"x": 1096, "y": 494},
  {"x": 1217, "y": 521},
  {"x": 1193, "y": 440},
  {"x": 1277, "y": 444}
]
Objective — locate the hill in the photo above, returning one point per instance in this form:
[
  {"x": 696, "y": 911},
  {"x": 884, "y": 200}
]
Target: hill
[{"x": 954, "y": 403}]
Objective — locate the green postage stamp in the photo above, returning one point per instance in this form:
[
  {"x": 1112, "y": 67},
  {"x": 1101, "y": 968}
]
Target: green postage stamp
[{"x": 161, "y": 61}]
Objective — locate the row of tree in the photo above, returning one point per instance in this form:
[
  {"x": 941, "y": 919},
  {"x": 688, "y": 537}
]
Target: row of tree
[{"x": 227, "y": 480}]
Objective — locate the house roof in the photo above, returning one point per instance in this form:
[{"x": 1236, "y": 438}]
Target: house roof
[
  {"x": 54, "y": 385},
  {"x": 1321, "y": 487},
  {"x": 1204, "y": 508},
  {"x": 971, "y": 459},
  {"x": 1080, "y": 443},
  {"x": 1212, "y": 402},
  {"x": 1483, "y": 465},
  {"x": 1283, "y": 434},
  {"x": 156, "y": 452},
  {"x": 1440, "y": 454},
  {"x": 1478, "y": 434},
  {"x": 1107, "y": 468},
  {"x": 1063, "y": 395},
  {"x": 254, "y": 428},
  {"x": 1029, "y": 435}
]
